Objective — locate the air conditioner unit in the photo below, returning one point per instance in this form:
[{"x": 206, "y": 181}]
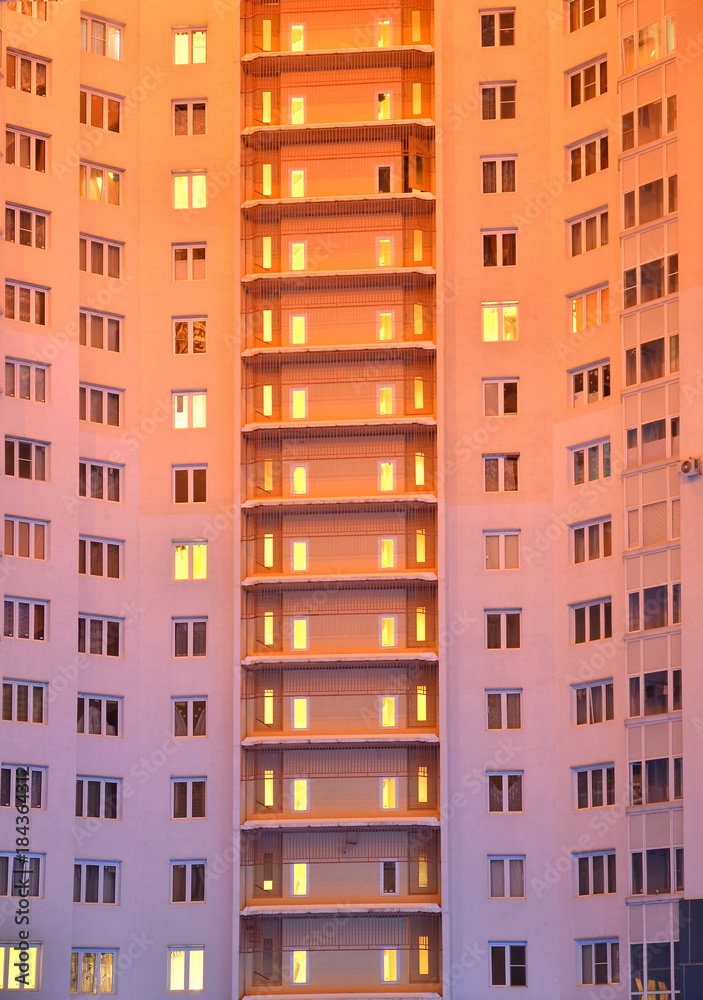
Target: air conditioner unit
[{"x": 690, "y": 467}]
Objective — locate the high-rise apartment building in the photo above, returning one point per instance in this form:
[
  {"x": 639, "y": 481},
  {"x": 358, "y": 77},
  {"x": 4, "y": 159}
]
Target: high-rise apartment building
[{"x": 351, "y": 411}]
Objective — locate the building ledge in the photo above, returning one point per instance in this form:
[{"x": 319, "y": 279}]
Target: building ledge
[
  {"x": 375, "y": 345},
  {"x": 391, "y": 421},
  {"x": 323, "y": 908},
  {"x": 280, "y": 657},
  {"x": 318, "y": 501},
  {"x": 392, "y": 576},
  {"x": 333, "y": 199},
  {"x": 287, "y": 740},
  {"x": 352, "y": 50},
  {"x": 338, "y": 824},
  {"x": 354, "y": 272},
  {"x": 313, "y": 126}
]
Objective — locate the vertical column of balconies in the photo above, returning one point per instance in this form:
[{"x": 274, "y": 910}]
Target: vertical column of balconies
[
  {"x": 650, "y": 341},
  {"x": 340, "y": 755}
]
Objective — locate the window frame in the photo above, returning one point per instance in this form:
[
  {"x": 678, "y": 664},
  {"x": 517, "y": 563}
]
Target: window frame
[
  {"x": 188, "y": 864},
  {"x": 107, "y": 478},
  {"x": 102, "y": 866},
  {"x": 189, "y": 175},
  {"x": 585, "y": 527},
  {"x": 507, "y": 882},
  {"x": 190, "y": 265},
  {"x": 34, "y": 367},
  {"x": 38, "y": 149},
  {"x": 499, "y": 101},
  {"x": 504, "y": 247},
  {"x": 601, "y": 154},
  {"x": 190, "y": 544},
  {"x": 606, "y": 696},
  {"x": 190, "y": 104},
  {"x": 107, "y": 635},
  {"x": 38, "y": 302},
  {"x": 117, "y": 27},
  {"x": 190, "y": 471},
  {"x": 190, "y": 30},
  {"x": 35, "y": 705},
  {"x": 190, "y": 701},
  {"x": 609, "y": 872},
  {"x": 34, "y": 537},
  {"x": 190, "y": 636},
  {"x": 32, "y": 770},
  {"x": 605, "y": 620},
  {"x": 612, "y": 961},
  {"x": 110, "y": 397},
  {"x": 499, "y": 307},
  {"x": 507, "y": 962},
  {"x": 15, "y": 228},
  {"x": 604, "y": 462},
  {"x": 497, "y": 28},
  {"x": 607, "y": 785},
  {"x": 86, "y": 254},
  {"x": 189, "y": 782},
  {"x": 107, "y": 99},
  {"x": 110, "y": 331},
  {"x": 505, "y": 789},
  {"x": 599, "y": 79},
  {"x": 504, "y": 711},
  {"x": 110, "y": 182},
  {"x": 501, "y": 480},
  {"x": 85, "y": 557},
  {"x": 84, "y": 716},
  {"x": 188, "y": 396},
  {"x": 37, "y": 622},
  {"x": 187, "y": 950},
  {"x": 85, "y": 779},
  {"x": 8, "y": 947}
]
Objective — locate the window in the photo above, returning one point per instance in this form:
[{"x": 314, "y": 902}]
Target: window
[
  {"x": 654, "y": 607},
  {"x": 300, "y": 794},
  {"x": 500, "y": 473},
  {"x": 98, "y": 715},
  {"x": 389, "y": 793},
  {"x": 188, "y": 798},
  {"x": 499, "y": 397},
  {"x": 497, "y": 101},
  {"x": 93, "y": 971},
  {"x": 590, "y": 384},
  {"x": 498, "y": 175},
  {"x": 100, "y": 330},
  {"x": 26, "y": 538},
  {"x": 25, "y": 459},
  {"x": 590, "y": 462},
  {"x": 388, "y": 711},
  {"x": 652, "y": 360},
  {"x": 502, "y": 629},
  {"x": 189, "y": 45},
  {"x": 96, "y": 882},
  {"x": 25, "y": 380},
  {"x": 297, "y": 111},
  {"x": 189, "y": 262},
  {"x": 651, "y": 281},
  {"x": 588, "y": 233},
  {"x": 591, "y": 540},
  {"x": 594, "y": 703},
  {"x": 600, "y": 961},
  {"x": 386, "y": 476},
  {"x": 652, "y": 44},
  {"x": 595, "y": 873},
  {"x": 650, "y": 124},
  {"x": 33, "y": 8},
  {"x": 25, "y": 149},
  {"x": 592, "y": 621},
  {"x": 190, "y": 189},
  {"x": 656, "y": 876},
  {"x": 383, "y": 179},
  {"x": 25, "y": 226},
  {"x": 506, "y": 877},
  {"x": 100, "y": 406},
  {"x": 300, "y": 713},
  {"x": 101, "y": 37},
  {"x": 299, "y": 968},
  {"x": 187, "y": 881},
  {"x": 502, "y": 549},
  {"x": 189, "y": 716},
  {"x": 189, "y": 484},
  {"x": 100, "y": 183},
  {"x": 389, "y": 966},
  {"x": 299, "y": 479},
  {"x": 26, "y": 73},
  {"x": 500, "y": 249},
  {"x": 99, "y": 636},
  {"x": 100, "y": 257},
  {"x": 189, "y": 409},
  {"x": 190, "y": 637},
  {"x": 595, "y": 786},
  {"x": 297, "y": 37},
  {"x": 589, "y": 82},
  {"x": 498, "y": 29},
  {"x": 298, "y": 404},
  {"x": 23, "y": 785},
  {"x": 23, "y": 701},
  {"x": 383, "y": 106},
  {"x": 190, "y": 560},
  {"x": 505, "y": 791},
  {"x": 27, "y": 303},
  {"x": 25, "y": 619},
  {"x": 97, "y": 797},
  {"x": 97, "y": 557},
  {"x": 297, "y": 330},
  {"x": 584, "y": 12},
  {"x": 657, "y": 780},
  {"x": 186, "y": 969},
  {"x": 656, "y": 693},
  {"x": 388, "y": 629},
  {"x": 503, "y": 709},
  {"x": 588, "y": 157},
  {"x": 647, "y": 203},
  {"x": 14, "y": 958},
  {"x": 499, "y": 321},
  {"x": 189, "y": 117},
  {"x": 587, "y": 309},
  {"x": 99, "y": 480},
  {"x": 508, "y": 964},
  {"x": 189, "y": 335},
  {"x": 299, "y": 633},
  {"x": 100, "y": 110}
]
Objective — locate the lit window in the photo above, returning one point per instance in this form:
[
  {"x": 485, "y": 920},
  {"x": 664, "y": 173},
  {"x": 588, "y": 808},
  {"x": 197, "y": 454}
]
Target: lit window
[
  {"x": 422, "y": 784},
  {"x": 299, "y": 878},
  {"x": 297, "y": 37},
  {"x": 268, "y": 788},
  {"x": 389, "y": 973},
  {"x": 383, "y": 32},
  {"x": 300, "y": 633},
  {"x": 297, "y": 256},
  {"x": 383, "y": 106},
  {"x": 299, "y": 794},
  {"x": 268, "y": 475},
  {"x": 189, "y": 556},
  {"x": 421, "y": 697},
  {"x": 384, "y": 253},
  {"x": 267, "y": 400},
  {"x": 298, "y": 333},
  {"x": 299, "y": 708},
  {"x": 189, "y": 45},
  {"x": 92, "y": 971},
  {"x": 266, "y": 243},
  {"x": 419, "y": 394},
  {"x": 268, "y": 706},
  {"x": 420, "y": 625},
  {"x": 386, "y": 476},
  {"x": 388, "y": 631},
  {"x": 267, "y": 326},
  {"x": 385, "y": 400},
  {"x": 419, "y": 469},
  {"x": 423, "y": 955},
  {"x": 299, "y": 399},
  {"x": 268, "y": 551},
  {"x": 389, "y": 711},
  {"x": 417, "y": 319},
  {"x": 387, "y": 553},
  {"x": 420, "y": 538},
  {"x": 189, "y": 190},
  {"x": 185, "y": 971},
  {"x": 266, "y": 35},
  {"x": 300, "y": 556},
  {"x": 385, "y": 326},
  {"x": 266, "y": 107},
  {"x": 416, "y": 26},
  {"x": 189, "y": 335},
  {"x": 389, "y": 788},
  {"x": 266, "y": 179},
  {"x": 300, "y": 479},
  {"x": 499, "y": 321},
  {"x": 297, "y": 110},
  {"x": 268, "y": 628},
  {"x": 297, "y": 183},
  {"x": 189, "y": 409},
  {"x": 299, "y": 968},
  {"x": 417, "y": 101},
  {"x": 99, "y": 183}
]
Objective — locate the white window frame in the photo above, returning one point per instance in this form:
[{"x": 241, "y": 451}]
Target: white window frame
[
  {"x": 600, "y": 141},
  {"x": 604, "y": 387},
  {"x": 15, "y": 228},
  {"x": 87, "y": 619},
  {"x": 32, "y": 688},
  {"x": 603, "y": 769},
  {"x": 188, "y": 782},
  {"x": 107, "y": 100},
  {"x": 578, "y": 308},
  {"x": 189, "y": 262},
  {"x": 85, "y": 559},
  {"x": 116, "y": 26},
  {"x": 109, "y": 326},
  {"x": 612, "y": 960},
  {"x": 189, "y": 104},
  {"x": 396, "y": 552},
  {"x": 300, "y": 982},
  {"x": 505, "y": 792},
  {"x": 107, "y": 469},
  {"x": 503, "y": 612},
  {"x": 501, "y": 383},
  {"x": 506, "y": 859},
  {"x": 589, "y": 856},
  {"x": 190, "y": 701},
  {"x": 101, "y": 865},
  {"x": 189, "y": 175},
  {"x": 605, "y": 618},
  {"x": 306, "y": 543},
  {"x": 396, "y": 863},
  {"x": 496, "y": 15},
  {"x": 508, "y": 964},
  {"x": 501, "y": 534},
  {"x": 187, "y": 950},
  {"x": 38, "y": 148},
  {"x": 575, "y": 13},
  {"x": 499, "y": 307},
  {"x": 189, "y": 622},
  {"x": 38, "y": 10},
  {"x": 292, "y": 795},
  {"x": 38, "y": 296},
  {"x": 497, "y": 87},
  {"x": 381, "y": 618},
  {"x": 578, "y": 227},
  {"x": 188, "y": 395},
  {"x": 87, "y": 253},
  {"x": 190, "y": 30},
  {"x": 190, "y": 339},
  {"x": 39, "y": 454},
  {"x": 580, "y": 72},
  {"x": 605, "y": 697},
  {"x": 8, "y": 948},
  {"x": 503, "y": 693},
  {"x": 103, "y": 700},
  {"x": 585, "y": 526},
  {"x": 501, "y": 472},
  {"x": 189, "y": 544},
  {"x": 109, "y": 395},
  {"x": 604, "y": 461},
  {"x": 105, "y": 190},
  {"x": 36, "y": 622},
  {"x": 98, "y": 954},
  {"x": 85, "y": 778},
  {"x": 189, "y": 470},
  {"x": 12, "y": 545},
  {"x": 498, "y": 160},
  {"x": 499, "y": 234},
  {"x": 32, "y": 771},
  {"x": 37, "y": 386},
  {"x": 188, "y": 864},
  {"x": 293, "y": 700}
]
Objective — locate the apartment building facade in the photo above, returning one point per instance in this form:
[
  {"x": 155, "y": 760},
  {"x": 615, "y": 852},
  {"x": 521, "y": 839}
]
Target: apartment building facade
[{"x": 346, "y": 351}]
